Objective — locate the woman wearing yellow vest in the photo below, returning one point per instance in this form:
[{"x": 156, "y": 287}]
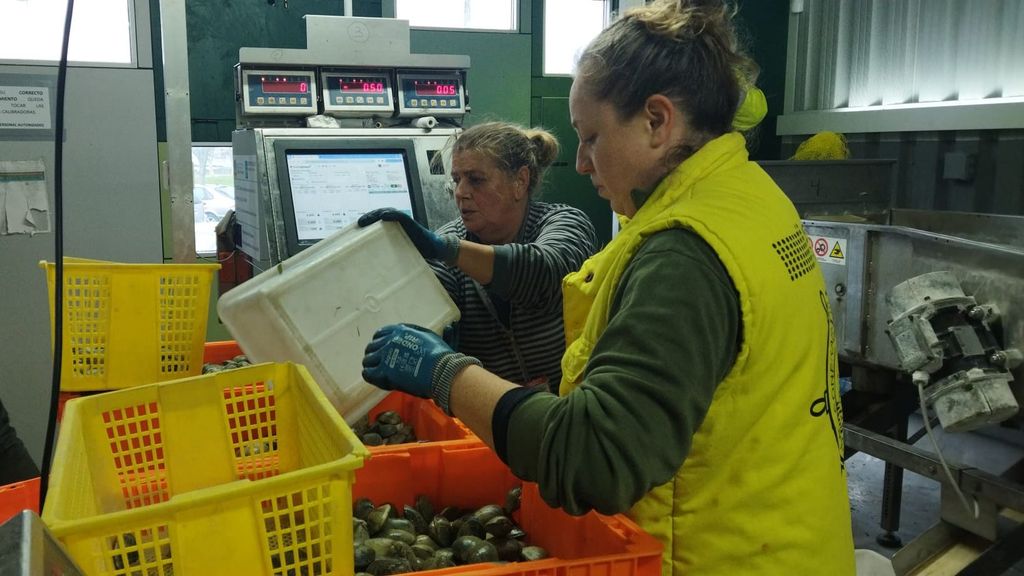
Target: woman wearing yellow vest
[{"x": 699, "y": 389}]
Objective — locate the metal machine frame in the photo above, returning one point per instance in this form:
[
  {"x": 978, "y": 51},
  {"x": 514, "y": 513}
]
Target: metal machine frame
[
  {"x": 850, "y": 203},
  {"x": 342, "y": 48},
  {"x": 259, "y": 205}
]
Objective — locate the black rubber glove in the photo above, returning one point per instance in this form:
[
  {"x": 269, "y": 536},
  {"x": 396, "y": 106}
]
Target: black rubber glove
[{"x": 444, "y": 247}]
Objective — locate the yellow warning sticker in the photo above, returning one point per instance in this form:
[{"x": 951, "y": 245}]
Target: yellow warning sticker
[{"x": 829, "y": 250}]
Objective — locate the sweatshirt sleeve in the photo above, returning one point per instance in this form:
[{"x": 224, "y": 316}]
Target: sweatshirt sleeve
[{"x": 531, "y": 274}]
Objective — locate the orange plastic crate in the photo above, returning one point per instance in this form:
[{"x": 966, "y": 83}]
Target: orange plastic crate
[
  {"x": 217, "y": 352},
  {"x": 213, "y": 352},
  {"x": 470, "y": 477},
  {"x": 17, "y": 497},
  {"x": 428, "y": 422}
]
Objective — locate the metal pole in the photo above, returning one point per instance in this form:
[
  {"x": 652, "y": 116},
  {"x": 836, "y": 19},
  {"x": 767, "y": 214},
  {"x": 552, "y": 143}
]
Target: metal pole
[
  {"x": 892, "y": 494},
  {"x": 348, "y": 8},
  {"x": 178, "y": 166}
]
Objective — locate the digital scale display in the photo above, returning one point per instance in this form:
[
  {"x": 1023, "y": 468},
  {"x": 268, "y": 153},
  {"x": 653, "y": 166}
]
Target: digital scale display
[
  {"x": 436, "y": 87},
  {"x": 352, "y": 93},
  {"x": 431, "y": 94},
  {"x": 278, "y": 85},
  {"x": 291, "y": 92},
  {"x": 366, "y": 87}
]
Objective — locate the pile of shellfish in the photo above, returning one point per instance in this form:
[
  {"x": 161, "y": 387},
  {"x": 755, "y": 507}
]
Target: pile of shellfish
[
  {"x": 386, "y": 542},
  {"x": 387, "y": 428},
  {"x": 239, "y": 361}
]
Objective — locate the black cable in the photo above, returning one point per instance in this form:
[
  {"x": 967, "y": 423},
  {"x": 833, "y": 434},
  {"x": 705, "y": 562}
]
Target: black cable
[{"x": 58, "y": 254}]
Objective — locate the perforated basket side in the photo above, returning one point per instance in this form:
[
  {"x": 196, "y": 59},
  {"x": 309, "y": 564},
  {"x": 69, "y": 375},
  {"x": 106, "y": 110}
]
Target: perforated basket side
[
  {"x": 178, "y": 297},
  {"x": 130, "y": 324},
  {"x": 244, "y": 471},
  {"x": 87, "y": 303}
]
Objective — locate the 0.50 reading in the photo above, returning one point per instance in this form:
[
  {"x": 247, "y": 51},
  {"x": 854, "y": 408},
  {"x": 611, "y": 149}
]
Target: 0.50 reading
[{"x": 360, "y": 86}]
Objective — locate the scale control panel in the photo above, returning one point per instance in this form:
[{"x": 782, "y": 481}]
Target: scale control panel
[
  {"x": 349, "y": 93},
  {"x": 438, "y": 94},
  {"x": 289, "y": 92}
]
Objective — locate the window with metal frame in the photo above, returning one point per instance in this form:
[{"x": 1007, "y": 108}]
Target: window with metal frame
[
  {"x": 213, "y": 191},
  {"x": 102, "y": 31},
  {"x": 493, "y": 15},
  {"x": 569, "y": 25},
  {"x": 895, "y": 65}
]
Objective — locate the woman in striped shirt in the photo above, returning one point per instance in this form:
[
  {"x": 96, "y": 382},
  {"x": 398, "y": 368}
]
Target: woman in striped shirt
[{"x": 503, "y": 261}]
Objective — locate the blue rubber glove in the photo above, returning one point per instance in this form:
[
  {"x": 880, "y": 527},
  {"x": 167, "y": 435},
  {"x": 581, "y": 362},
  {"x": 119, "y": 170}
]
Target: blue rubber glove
[
  {"x": 414, "y": 360},
  {"x": 404, "y": 357},
  {"x": 444, "y": 247}
]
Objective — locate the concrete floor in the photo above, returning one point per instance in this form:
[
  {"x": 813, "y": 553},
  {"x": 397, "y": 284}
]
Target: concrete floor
[{"x": 993, "y": 453}]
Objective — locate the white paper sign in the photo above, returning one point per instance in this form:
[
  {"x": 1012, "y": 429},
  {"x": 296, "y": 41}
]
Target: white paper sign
[
  {"x": 24, "y": 207},
  {"x": 829, "y": 250},
  {"x": 24, "y": 107},
  {"x": 247, "y": 202}
]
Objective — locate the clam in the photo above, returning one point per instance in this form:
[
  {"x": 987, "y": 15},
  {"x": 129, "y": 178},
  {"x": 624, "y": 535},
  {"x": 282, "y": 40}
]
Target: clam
[
  {"x": 531, "y": 553},
  {"x": 424, "y": 506},
  {"x": 464, "y": 544},
  {"x": 422, "y": 551},
  {"x": 386, "y": 566},
  {"x": 360, "y": 531},
  {"x": 508, "y": 548},
  {"x": 440, "y": 530},
  {"x": 424, "y": 540},
  {"x": 389, "y": 417},
  {"x": 485, "y": 513},
  {"x": 407, "y": 538},
  {"x": 445, "y": 557},
  {"x": 499, "y": 526},
  {"x": 450, "y": 513},
  {"x": 400, "y": 524},
  {"x": 361, "y": 426},
  {"x": 376, "y": 519},
  {"x": 362, "y": 508},
  {"x": 363, "y": 556},
  {"x": 415, "y": 519},
  {"x": 471, "y": 527},
  {"x": 513, "y": 499},
  {"x": 483, "y": 552},
  {"x": 383, "y": 547}
]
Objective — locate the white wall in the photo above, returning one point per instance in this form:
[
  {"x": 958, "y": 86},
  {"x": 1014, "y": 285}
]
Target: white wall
[{"x": 111, "y": 212}]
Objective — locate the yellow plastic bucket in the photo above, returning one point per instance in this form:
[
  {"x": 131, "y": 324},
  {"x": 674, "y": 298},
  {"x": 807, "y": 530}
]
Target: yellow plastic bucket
[
  {"x": 130, "y": 324},
  {"x": 245, "y": 471}
]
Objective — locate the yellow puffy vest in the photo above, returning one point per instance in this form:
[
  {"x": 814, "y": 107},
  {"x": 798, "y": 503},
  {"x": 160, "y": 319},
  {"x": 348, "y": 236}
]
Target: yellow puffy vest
[{"x": 763, "y": 489}]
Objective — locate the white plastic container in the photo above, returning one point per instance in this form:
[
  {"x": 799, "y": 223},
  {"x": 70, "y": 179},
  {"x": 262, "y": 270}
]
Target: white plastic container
[{"x": 321, "y": 307}]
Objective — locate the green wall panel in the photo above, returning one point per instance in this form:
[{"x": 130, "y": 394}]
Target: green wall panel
[
  {"x": 218, "y": 28},
  {"x": 763, "y": 25},
  {"x": 564, "y": 184},
  {"x": 499, "y": 73}
]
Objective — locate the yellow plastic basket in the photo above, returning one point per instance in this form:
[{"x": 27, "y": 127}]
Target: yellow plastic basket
[
  {"x": 245, "y": 471},
  {"x": 130, "y": 324}
]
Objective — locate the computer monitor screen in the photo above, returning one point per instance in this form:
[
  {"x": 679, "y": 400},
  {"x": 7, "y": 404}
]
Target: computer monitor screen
[{"x": 331, "y": 189}]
